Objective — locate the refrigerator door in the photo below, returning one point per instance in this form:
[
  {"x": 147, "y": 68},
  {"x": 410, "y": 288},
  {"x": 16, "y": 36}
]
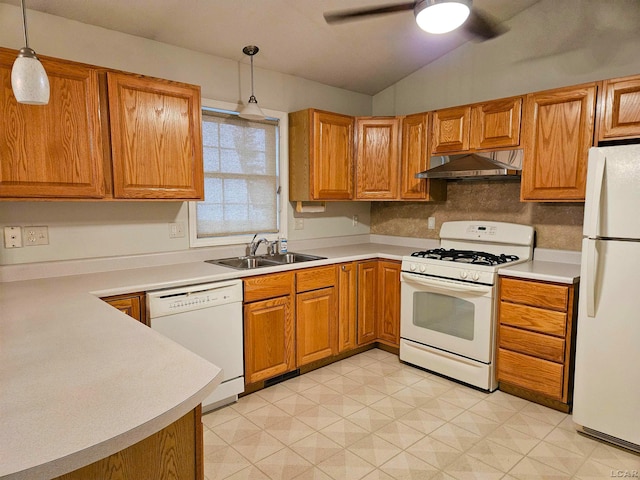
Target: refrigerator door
[
  {"x": 607, "y": 382},
  {"x": 613, "y": 192}
]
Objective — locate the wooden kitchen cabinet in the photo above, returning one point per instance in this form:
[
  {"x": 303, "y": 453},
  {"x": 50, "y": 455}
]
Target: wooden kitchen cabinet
[
  {"x": 316, "y": 314},
  {"x": 451, "y": 129},
  {"x": 156, "y": 138},
  {"x": 347, "y": 306},
  {"x": 558, "y": 130},
  {"x": 389, "y": 302},
  {"x": 619, "y": 109},
  {"x": 320, "y": 156},
  {"x": 377, "y": 158},
  {"x": 54, "y": 150},
  {"x": 414, "y": 158},
  {"x": 269, "y": 326},
  {"x": 133, "y": 304},
  {"x": 176, "y": 451},
  {"x": 536, "y": 337},
  {"x": 367, "y": 310}
]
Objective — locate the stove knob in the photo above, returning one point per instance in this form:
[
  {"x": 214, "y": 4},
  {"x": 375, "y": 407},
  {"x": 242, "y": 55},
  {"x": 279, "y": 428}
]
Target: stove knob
[
  {"x": 463, "y": 274},
  {"x": 412, "y": 267},
  {"x": 423, "y": 268},
  {"x": 476, "y": 276}
]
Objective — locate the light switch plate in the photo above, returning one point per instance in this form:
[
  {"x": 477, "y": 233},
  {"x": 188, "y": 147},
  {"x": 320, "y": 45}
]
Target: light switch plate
[{"x": 12, "y": 237}]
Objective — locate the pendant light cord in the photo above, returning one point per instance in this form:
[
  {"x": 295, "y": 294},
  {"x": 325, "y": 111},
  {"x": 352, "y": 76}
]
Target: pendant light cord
[
  {"x": 24, "y": 24},
  {"x": 252, "y": 77}
]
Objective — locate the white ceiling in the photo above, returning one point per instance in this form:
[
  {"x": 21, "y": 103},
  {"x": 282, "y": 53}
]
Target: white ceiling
[{"x": 364, "y": 56}]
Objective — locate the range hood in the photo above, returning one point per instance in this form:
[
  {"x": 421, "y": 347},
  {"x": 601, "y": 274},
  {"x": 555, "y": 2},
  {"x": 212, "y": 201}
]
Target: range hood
[{"x": 504, "y": 164}]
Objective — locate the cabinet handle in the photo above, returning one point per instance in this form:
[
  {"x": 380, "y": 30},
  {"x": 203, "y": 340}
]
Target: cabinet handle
[{"x": 344, "y": 268}]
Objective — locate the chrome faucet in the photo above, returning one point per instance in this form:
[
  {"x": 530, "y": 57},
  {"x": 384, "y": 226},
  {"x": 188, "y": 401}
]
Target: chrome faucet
[{"x": 253, "y": 246}]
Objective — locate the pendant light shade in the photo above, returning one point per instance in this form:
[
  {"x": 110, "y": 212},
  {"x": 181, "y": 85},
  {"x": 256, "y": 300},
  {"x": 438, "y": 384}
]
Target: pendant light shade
[
  {"x": 29, "y": 80},
  {"x": 251, "y": 110},
  {"x": 441, "y": 16}
]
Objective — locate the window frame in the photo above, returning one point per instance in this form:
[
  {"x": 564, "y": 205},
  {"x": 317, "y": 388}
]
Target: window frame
[{"x": 283, "y": 183}]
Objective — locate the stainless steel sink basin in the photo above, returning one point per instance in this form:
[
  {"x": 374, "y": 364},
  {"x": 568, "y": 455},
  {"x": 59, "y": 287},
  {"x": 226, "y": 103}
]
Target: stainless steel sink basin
[{"x": 246, "y": 263}]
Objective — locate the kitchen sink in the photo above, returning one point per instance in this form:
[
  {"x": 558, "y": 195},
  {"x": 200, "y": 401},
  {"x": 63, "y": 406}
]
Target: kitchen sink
[{"x": 246, "y": 263}]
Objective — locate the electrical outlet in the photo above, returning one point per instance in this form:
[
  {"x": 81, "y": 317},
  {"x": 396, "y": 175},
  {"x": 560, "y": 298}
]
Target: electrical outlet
[
  {"x": 176, "y": 230},
  {"x": 431, "y": 223},
  {"x": 34, "y": 236},
  {"x": 356, "y": 220},
  {"x": 298, "y": 224},
  {"x": 12, "y": 237}
]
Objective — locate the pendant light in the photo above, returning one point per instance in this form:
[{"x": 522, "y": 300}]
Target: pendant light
[
  {"x": 28, "y": 79},
  {"x": 251, "y": 110},
  {"x": 441, "y": 16}
]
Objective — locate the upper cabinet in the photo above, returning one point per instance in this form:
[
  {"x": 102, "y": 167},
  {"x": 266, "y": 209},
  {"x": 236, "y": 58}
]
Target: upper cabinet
[
  {"x": 482, "y": 126},
  {"x": 104, "y": 134},
  {"x": 414, "y": 157},
  {"x": 320, "y": 156},
  {"x": 156, "y": 138},
  {"x": 558, "y": 132},
  {"x": 53, "y": 150},
  {"x": 619, "y": 109},
  {"x": 377, "y": 152}
]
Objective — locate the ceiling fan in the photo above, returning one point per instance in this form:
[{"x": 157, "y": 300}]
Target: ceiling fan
[{"x": 433, "y": 16}]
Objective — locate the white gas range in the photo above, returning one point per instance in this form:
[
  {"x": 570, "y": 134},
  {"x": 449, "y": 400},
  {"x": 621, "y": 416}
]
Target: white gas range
[{"x": 448, "y": 308}]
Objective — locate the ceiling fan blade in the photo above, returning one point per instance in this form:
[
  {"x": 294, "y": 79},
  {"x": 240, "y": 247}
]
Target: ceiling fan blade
[
  {"x": 483, "y": 26},
  {"x": 346, "y": 15}
]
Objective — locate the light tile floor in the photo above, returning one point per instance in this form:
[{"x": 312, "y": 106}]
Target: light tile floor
[{"x": 371, "y": 417}]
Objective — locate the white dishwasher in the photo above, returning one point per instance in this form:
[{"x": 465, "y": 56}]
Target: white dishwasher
[{"x": 206, "y": 319}]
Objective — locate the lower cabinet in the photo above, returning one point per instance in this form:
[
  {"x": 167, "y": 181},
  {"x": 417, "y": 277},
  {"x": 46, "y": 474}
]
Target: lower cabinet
[
  {"x": 347, "y": 306},
  {"x": 536, "y": 336},
  {"x": 367, "y": 309},
  {"x": 132, "y": 304},
  {"x": 389, "y": 302},
  {"x": 269, "y": 336},
  {"x": 176, "y": 451}
]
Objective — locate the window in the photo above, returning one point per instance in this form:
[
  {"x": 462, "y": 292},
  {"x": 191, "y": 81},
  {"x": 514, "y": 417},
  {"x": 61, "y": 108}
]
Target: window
[{"x": 244, "y": 164}]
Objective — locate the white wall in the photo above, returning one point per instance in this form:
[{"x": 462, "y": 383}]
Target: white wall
[
  {"x": 82, "y": 230},
  {"x": 551, "y": 44}
]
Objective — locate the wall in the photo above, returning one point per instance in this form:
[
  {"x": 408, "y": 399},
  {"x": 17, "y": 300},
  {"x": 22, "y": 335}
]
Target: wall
[
  {"x": 82, "y": 230},
  {"x": 549, "y": 45},
  {"x": 558, "y": 225}
]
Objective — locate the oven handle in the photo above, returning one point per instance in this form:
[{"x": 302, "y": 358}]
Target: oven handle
[{"x": 449, "y": 286}]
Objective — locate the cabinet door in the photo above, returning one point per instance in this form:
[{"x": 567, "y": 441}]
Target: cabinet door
[
  {"x": 269, "y": 348},
  {"x": 389, "y": 302},
  {"x": 133, "y": 305},
  {"x": 52, "y": 150},
  {"x": 367, "y": 301},
  {"x": 451, "y": 130},
  {"x": 316, "y": 325},
  {"x": 332, "y": 157},
  {"x": 156, "y": 138},
  {"x": 558, "y": 132},
  {"x": 620, "y": 109},
  {"x": 414, "y": 156},
  {"x": 347, "y": 307},
  {"x": 496, "y": 124},
  {"x": 377, "y": 158}
]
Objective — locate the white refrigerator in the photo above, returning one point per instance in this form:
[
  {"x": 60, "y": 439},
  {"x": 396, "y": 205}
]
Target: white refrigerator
[{"x": 607, "y": 364}]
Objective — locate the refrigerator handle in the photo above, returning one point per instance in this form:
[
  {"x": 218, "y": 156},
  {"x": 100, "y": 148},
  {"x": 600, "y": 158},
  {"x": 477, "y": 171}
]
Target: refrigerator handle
[
  {"x": 595, "y": 197},
  {"x": 591, "y": 275}
]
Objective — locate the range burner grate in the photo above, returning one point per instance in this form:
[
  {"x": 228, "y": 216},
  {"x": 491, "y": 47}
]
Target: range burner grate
[{"x": 466, "y": 256}]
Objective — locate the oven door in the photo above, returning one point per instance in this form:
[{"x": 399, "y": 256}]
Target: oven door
[{"x": 449, "y": 315}]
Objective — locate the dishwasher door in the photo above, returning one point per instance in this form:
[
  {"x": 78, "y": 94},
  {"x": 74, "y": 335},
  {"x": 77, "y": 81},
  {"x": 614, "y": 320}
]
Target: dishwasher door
[{"x": 207, "y": 320}]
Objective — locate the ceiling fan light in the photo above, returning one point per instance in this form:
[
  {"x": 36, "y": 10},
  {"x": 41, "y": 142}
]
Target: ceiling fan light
[{"x": 437, "y": 16}]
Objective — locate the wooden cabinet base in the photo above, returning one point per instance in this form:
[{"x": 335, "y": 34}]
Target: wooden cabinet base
[
  {"x": 173, "y": 452},
  {"x": 534, "y": 397}
]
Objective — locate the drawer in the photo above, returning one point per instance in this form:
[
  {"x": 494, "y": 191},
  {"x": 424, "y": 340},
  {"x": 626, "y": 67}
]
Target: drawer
[
  {"x": 535, "y": 344},
  {"x": 531, "y": 373},
  {"x": 315, "y": 278},
  {"x": 268, "y": 286},
  {"x": 533, "y": 318},
  {"x": 537, "y": 294}
]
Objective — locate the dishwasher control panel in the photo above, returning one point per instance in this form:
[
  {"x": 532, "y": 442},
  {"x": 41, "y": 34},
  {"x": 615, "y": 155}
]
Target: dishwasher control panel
[{"x": 193, "y": 297}]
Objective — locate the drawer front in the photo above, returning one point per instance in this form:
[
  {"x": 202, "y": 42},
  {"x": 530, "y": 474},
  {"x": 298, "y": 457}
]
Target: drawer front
[
  {"x": 546, "y": 295},
  {"x": 532, "y": 318},
  {"x": 531, "y": 373},
  {"x": 315, "y": 278},
  {"x": 268, "y": 286},
  {"x": 536, "y": 344}
]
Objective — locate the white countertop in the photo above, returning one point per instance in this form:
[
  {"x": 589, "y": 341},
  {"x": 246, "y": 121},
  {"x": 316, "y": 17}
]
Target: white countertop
[
  {"x": 81, "y": 380},
  {"x": 543, "y": 270}
]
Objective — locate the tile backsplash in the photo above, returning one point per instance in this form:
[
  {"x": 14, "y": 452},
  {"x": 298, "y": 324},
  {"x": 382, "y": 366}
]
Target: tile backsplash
[{"x": 558, "y": 225}]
